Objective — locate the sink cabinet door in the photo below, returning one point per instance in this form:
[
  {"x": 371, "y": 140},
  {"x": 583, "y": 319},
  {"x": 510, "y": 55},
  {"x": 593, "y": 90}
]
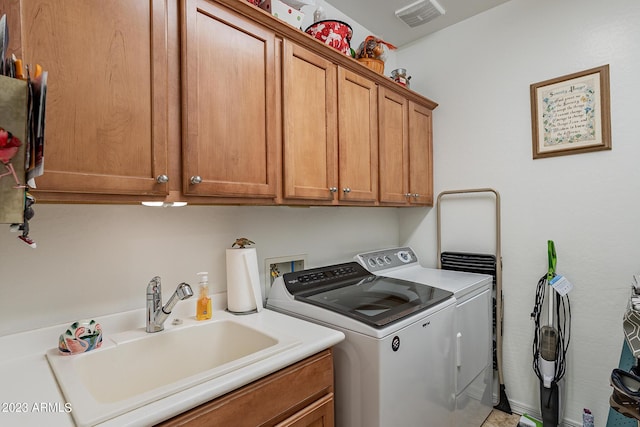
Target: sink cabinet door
[
  {"x": 310, "y": 156},
  {"x": 106, "y": 123},
  {"x": 318, "y": 414},
  {"x": 299, "y": 395},
  {"x": 229, "y": 103}
]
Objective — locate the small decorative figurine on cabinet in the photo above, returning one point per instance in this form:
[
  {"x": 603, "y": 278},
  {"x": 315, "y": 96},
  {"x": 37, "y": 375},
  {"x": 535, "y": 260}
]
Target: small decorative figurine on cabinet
[{"x": 242, "y": 242}]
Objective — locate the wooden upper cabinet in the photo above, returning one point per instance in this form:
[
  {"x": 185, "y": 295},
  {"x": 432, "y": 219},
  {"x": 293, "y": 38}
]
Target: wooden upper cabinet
[
  {"x": 420, "y": 154},
  {"x": 309, "y": 125},
  {"x": 406, "y": 157},
  {"x": 358, "y": 137},
  {"x": 229, "y": 103},
  {"x": 394, "y": 147},
  {"x": 106, "y": 124}
]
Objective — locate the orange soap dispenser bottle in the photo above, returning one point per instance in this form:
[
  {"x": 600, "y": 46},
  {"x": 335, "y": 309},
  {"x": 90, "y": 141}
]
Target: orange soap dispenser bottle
[{"x": 203, "y": 306}]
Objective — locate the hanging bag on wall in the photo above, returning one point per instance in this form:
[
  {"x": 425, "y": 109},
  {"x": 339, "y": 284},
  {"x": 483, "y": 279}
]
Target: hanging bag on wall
[{"x": 13, "y": 146}]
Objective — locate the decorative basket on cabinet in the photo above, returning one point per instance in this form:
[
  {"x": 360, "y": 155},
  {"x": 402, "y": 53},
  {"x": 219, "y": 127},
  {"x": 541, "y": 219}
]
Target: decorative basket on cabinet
[
  {"x": 371, "y": 53},
  {"x": 376, "y": 65}
]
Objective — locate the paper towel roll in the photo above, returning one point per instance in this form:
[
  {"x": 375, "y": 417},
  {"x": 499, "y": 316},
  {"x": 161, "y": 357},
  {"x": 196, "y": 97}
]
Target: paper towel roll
[{"x": 243, "y": 281}]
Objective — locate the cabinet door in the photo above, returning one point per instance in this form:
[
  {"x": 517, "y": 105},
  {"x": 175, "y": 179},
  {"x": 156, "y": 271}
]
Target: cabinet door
[
  {"x": 394, "y": 148},
  {"x": 358, "y": 137},
  {"x": 228, "y": 103},
  {"x": 299, "y": 395},
  {"x": 309, "y": 125},
  {"x": 420, "y": 154},
  {"x": 106, "y": 128},
  {"x": 319, "y": 414}
]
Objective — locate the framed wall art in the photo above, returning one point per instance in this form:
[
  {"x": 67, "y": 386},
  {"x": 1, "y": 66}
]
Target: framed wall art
[{"x": 571, "y": 114}]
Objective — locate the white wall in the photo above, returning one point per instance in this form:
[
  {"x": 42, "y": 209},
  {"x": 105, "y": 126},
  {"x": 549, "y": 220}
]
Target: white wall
[
  {"x": 95, "y": 260},
  {"x": 479, "y": 71}
]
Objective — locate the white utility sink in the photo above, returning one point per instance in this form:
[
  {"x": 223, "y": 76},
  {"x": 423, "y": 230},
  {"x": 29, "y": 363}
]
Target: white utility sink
[{"x": 134, "y": 368}]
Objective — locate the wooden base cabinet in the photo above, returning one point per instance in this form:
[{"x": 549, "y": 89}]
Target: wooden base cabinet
[
  {"x": 300, "y": 395},
  {"x": 318, "y": 414}
]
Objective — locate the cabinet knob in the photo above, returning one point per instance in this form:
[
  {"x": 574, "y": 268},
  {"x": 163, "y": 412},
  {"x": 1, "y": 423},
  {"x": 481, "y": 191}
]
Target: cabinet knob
[
  {"x": 407, "y": 195},
  {"x": 333, "y": 189},
  {"x": 162, "y": 179},
  {"x": 346, "y": 190},
  {"x": 195, "y": 179},
  {"x": 416, "y": 195}
]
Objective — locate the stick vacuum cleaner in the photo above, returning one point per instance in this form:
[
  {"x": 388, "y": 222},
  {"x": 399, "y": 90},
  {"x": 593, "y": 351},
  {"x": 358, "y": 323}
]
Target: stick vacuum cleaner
[{"x": 551, "y": 341}]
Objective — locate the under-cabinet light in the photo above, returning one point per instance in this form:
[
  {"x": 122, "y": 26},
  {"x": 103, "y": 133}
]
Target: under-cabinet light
[{"x": 165, "y": 204}]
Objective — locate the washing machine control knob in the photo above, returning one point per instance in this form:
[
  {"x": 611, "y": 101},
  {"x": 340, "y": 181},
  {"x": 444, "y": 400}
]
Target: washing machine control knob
[{"x": 404, "y": 256}]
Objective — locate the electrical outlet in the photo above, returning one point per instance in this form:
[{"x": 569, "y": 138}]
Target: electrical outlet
[{"x": 275, "y": 267}]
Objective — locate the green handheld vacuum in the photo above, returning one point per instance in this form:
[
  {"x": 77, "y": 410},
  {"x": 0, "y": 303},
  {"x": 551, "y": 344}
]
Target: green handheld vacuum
[{"x": 550, "y": 341}]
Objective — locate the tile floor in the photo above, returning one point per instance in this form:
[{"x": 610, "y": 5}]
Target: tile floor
[{"x": 501, "y": 419}]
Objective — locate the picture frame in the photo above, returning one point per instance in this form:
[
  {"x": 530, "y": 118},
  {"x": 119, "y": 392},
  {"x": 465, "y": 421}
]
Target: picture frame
[{"x": 571, "y": 114}]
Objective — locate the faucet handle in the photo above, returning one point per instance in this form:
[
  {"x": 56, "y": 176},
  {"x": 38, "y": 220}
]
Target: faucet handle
[{"x": 154, "y": 287}]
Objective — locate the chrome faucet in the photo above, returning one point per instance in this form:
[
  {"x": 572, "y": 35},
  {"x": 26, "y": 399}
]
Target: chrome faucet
[{"x": 156, "y": 313}]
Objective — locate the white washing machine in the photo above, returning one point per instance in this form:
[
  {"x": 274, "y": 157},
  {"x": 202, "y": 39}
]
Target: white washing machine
[
  {"x": 393, "y": 367},
  {"x": 473, "y": 332}
]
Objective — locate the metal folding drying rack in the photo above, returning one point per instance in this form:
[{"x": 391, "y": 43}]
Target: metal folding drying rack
[{"x": 480, "y": 263}]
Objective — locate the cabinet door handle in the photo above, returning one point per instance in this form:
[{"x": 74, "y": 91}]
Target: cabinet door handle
[
  {"x": 162, "y": 179},
  {"x": 333, "y": 189},
  {"x": 407, "y": 195},
  {"x": 196, "y": 179},
  {"x": 346, "y": 190},
  {"x": 416, "y": 195}
]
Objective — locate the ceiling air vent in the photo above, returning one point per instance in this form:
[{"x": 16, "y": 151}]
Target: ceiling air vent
[{"x": 420, "y": 12}]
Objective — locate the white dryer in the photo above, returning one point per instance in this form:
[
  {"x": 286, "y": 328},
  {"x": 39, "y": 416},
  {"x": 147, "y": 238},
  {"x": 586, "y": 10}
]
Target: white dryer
[{"x": 473, "y": 331}]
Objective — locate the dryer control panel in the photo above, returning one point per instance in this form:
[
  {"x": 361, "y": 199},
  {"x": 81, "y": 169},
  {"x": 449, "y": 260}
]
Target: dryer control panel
[{"x": 385, "y": 259}]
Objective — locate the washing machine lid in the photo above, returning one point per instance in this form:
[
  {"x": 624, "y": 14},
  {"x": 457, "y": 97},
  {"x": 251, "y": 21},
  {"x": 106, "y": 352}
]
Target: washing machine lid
[{"x": 350, "y": 290}]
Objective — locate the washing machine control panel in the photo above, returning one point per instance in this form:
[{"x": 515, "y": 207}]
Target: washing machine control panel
[
  {"x": 305, "y": 281},
  {"x": 378, "y": 261}
]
